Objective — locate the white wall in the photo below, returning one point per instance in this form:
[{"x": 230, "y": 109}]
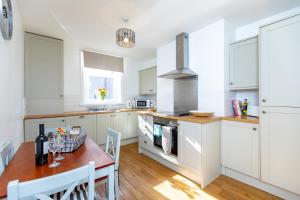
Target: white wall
[
  {"x": 73, "y": 77},
  {"x": 12, "y": 83},
  {"x": 130, "y": 87},
  {"x": 166, "y": 61},
  {"x": 207, "y": 58},
  {"x": 252, "y": 29}
]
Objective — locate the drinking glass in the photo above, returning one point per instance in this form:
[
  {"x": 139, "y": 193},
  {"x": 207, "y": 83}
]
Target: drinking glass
[
  {"x": 53, "y": 147},
  {"x": 60, "y": 144}
]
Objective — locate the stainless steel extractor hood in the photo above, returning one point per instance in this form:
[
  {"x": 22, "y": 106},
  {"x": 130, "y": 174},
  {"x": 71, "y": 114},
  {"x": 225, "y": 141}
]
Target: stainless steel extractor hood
[{"x": 182, "y": 59}]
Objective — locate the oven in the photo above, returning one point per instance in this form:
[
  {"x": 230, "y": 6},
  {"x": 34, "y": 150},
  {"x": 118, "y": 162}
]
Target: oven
[{"x": 159, "y": 139}]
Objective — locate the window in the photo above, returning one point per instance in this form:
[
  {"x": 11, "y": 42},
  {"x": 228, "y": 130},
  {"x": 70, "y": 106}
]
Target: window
[{"x": 94, "y": 79}]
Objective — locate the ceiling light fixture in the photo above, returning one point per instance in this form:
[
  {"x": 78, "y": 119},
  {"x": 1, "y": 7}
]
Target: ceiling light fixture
[{"x": 125, "y": 37}]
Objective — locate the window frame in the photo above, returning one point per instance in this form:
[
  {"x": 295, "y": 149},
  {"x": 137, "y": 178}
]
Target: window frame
[{"x": 117, "y": 86}]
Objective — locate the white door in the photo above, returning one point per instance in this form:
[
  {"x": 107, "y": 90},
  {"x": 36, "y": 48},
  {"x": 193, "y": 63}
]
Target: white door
[
  {"x": 280, "y": 147},
  {"x": 244, "y": 64},
  {"x": 240, "y": 147},
  {"x": 104, "y": 121},
  {"x": 190, "y": 141},
  {"x": 32, "y": 126},
  {"x": 132, "y": 124},
  {"x": 43, "y": 74},
  {"x": 86, "y": 122},
  {"x": 280, "y": 61},
  {"x": 120, "y": 124}
]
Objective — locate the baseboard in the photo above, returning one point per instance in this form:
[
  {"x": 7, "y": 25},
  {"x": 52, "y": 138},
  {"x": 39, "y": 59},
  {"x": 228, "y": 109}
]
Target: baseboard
[
  {"x": 123, "y": 142},
  {"x": 129, "y": 141},
  {"x": 260, "y": 185}
]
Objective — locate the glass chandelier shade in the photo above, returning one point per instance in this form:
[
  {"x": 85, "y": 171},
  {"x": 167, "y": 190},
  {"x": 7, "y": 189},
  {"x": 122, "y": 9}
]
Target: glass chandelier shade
[{"x": 125, "y": 38}]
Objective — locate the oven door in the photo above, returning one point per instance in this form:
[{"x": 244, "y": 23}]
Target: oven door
[{"x": 157, "y": 135}]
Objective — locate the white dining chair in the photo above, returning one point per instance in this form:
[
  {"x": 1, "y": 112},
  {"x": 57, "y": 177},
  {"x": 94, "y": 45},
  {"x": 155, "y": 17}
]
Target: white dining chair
[
  {"x": 63, "y": 186},
  {"x": 112, "y": 148},
  {"x": 6, "y": 154}
]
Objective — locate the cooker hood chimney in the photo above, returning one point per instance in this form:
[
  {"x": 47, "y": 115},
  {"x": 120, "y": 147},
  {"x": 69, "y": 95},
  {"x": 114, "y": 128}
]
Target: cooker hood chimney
[{"x": 182, "y": 59}]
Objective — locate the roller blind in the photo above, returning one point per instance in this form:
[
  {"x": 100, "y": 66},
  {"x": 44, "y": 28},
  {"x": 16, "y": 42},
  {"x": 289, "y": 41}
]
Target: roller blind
[{"x": 102, "y": 61}]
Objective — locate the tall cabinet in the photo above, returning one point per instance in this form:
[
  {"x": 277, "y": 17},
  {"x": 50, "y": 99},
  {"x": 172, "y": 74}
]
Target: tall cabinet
[
  {"x": 43, "y": 74},
  {"x": 280, "y": 104}
]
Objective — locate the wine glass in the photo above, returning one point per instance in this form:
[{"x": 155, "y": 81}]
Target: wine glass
[
  {"x": 60, "y": 144},
  {"x": 53, "y": 147}
]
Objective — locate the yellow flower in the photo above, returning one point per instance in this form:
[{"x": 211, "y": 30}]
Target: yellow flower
[{"x": 102, "y": 92}]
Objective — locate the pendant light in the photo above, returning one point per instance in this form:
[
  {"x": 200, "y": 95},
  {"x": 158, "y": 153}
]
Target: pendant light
[{"x": 125, "y": 37}]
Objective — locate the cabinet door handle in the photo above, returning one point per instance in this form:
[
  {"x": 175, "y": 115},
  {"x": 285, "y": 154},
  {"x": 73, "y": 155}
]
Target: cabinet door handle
[
  {"x": 61, "y": 95},
  {"x": 231, "y": 83},
  {"x": 81, "y": 117},
  {"x": 264, "y": 101},
  {"x": 264, "y": 112},
  {"x": 145, "y": 142},
  {"x": 254, "y": 129},
  {"x": 63, "y": 120}
]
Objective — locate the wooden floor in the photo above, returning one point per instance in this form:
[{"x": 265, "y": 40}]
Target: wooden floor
[{"x": 144, "y": 178}]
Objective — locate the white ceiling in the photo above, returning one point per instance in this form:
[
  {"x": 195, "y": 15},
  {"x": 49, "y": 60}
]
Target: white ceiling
[{"x": 92, "y": 24}]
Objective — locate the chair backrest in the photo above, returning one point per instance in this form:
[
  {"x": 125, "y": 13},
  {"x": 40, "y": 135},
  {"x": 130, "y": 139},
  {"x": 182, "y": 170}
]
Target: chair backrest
[
  {"x": 6, "y": 154},
  {"x": 112, "y": 148},
  {"x": 42, "y": 188}
]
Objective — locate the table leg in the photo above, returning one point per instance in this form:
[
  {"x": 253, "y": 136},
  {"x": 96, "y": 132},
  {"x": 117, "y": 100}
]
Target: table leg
[{"x": 111, "y": 183}]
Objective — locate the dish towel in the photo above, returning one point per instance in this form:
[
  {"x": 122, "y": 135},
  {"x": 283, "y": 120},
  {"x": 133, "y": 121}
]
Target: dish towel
[{"x": 167, "y": 138}]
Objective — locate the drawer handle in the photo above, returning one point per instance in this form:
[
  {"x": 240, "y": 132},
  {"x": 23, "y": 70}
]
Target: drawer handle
[
  {"x": 145, "y": 142},
  {"x": 231, "y": 83},
  {"x": 254, "y": 129},
  {"x": 81, "y": 117},
  {"x": 264, "y": 112},
  {"x": 264, "y": 101}
]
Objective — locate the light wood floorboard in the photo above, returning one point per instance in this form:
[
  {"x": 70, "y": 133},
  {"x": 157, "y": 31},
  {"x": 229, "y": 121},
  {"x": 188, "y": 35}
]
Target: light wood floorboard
[{"x": 143, "y": 178}]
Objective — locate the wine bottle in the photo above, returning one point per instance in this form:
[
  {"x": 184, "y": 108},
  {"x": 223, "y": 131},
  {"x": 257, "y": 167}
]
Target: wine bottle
[{"x": 41, "y": 147}]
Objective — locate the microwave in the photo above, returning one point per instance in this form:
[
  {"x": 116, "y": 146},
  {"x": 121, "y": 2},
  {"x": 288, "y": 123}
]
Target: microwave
[{"x": 143, "y": 104}]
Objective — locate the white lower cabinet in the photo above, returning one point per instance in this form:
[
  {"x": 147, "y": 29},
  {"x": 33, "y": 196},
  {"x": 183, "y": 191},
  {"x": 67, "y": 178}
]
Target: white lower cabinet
[
  {"x": 95, "y": 125},
  {"x": 199, "y": 151},
  {"x": 190, "y": 146},
  {"x": 32, "y": 126},
  {"x": 280, "y": 147},
  {"x": 119, "y": 124},
  {"x": 104, "y": 121},
  {"x": 240, "y": 150},
  {"x": 145, "y": 130},
  {"x": 123, "y": 122},
  {"x": 132, "y": 125},
  {"x": 87, "y": 122}
]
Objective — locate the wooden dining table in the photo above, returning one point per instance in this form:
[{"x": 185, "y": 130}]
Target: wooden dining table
[{"x": 23, "y": 168}]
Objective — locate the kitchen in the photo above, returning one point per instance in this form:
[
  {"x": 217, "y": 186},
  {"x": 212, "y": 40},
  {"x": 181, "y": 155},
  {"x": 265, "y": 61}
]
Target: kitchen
[{"x": 149, "y": 96}]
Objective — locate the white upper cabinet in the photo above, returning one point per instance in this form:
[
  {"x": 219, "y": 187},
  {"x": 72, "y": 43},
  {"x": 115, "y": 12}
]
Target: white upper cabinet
[
  {"x": 280, "y": 147},
  {"x": 43, "y": 74},
  {"x": 280, "y": 61},
  {"x": 240, "y": 147},
  {"x": 148, "y": 81},
  {"x": 244, "y": 64},
  {"x": 86, "y": 122}
]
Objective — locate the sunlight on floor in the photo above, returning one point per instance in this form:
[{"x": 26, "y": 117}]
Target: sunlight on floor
[{"x": 182, "y": 188}]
